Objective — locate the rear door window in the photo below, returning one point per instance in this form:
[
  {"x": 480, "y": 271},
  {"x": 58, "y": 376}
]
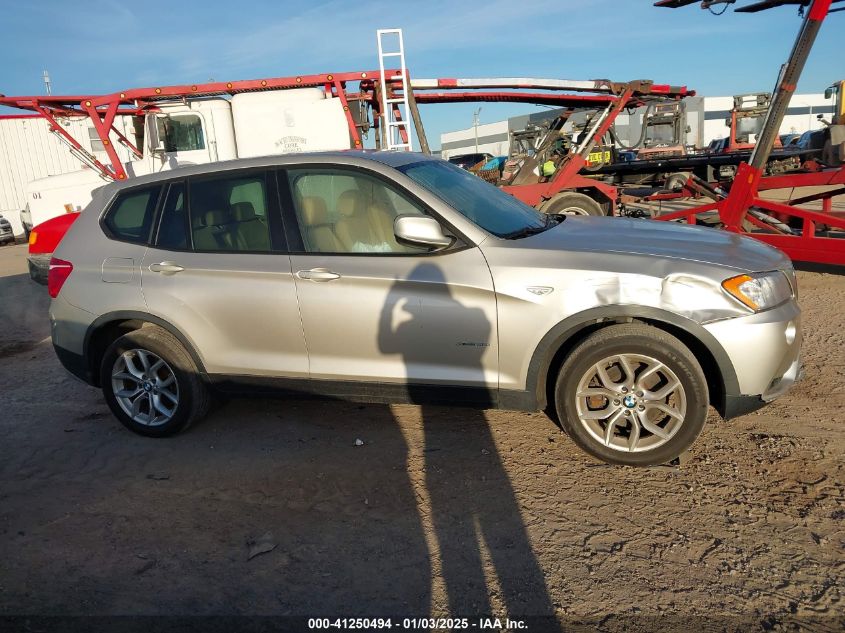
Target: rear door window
[
  {"x": 173, "y": 230},
  {"x": 130, "y": 216},
  {"x": 230, "y": 214}
]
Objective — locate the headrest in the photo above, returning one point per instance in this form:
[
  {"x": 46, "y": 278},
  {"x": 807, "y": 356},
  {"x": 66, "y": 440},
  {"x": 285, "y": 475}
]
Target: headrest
[
  {"x": 314, "y": 211},
  {"x": 243, "y": 211},
  {"x": 350, "y": 202},
  {"x": 379, "y": 208},
  {"x": 215, "y": 217}
]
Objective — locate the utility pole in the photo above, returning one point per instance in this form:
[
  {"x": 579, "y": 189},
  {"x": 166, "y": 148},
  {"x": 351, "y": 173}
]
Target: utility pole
[
  {"x": 47, "y": 84},
  {"x": 475, "y": 125}
]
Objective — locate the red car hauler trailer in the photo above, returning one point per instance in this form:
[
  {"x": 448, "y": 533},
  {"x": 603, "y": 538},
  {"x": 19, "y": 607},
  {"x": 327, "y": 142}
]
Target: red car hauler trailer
[
  {"x": 742, "y": 209},
  {"x": 384, "y": 100}
]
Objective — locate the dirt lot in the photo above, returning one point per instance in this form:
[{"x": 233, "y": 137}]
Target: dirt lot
[{"x": 438, "y": 511}]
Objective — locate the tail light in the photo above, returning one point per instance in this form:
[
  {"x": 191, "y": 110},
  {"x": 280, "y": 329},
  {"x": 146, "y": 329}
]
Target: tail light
[{"x": 59, "y": 271}]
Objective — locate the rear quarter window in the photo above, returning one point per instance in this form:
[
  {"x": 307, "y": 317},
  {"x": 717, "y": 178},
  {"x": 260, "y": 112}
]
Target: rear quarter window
[{"x": 130, "y": 216}]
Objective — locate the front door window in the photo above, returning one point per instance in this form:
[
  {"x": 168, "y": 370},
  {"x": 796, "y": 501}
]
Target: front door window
[{"x": 348, "y": 212}]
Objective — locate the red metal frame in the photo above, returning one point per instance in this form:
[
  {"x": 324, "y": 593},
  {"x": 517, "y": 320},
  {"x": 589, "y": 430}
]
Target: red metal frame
[
  {"x": 104, "y": 109},
  {"x": 744, "y": 195},
  {"x": 540, "y": 98},
  {"x": 609, "y": 98},
  {"x": 613, "y": 96},
  {"x": 61, "y": 131}
]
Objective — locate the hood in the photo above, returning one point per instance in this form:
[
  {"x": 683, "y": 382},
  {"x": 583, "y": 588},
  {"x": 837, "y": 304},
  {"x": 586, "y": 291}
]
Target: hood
[{"x": 669, "y": 240}]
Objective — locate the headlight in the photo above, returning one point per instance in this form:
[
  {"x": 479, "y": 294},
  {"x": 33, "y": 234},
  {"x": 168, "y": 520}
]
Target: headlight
[{"x": 759, "y": 291}]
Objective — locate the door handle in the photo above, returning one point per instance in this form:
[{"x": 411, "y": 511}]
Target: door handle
[
  {"x": 317, "y": 274},
  {"x": 166, "y": 268}
]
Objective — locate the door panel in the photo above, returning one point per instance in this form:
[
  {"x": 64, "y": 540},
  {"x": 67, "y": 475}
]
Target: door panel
[
  {"x": 239, "y": 310},
  {"x": 400, "y": 319},
  {"x": 378, "y": 310},
  {"x": 237, "y": 304}
]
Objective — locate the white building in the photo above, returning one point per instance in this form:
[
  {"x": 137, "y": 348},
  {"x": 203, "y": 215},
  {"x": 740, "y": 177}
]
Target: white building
[
  {"x": 705, "y": 119},
  {"x": 492, "y": 138},
  {"x": 28, "y": 150}
]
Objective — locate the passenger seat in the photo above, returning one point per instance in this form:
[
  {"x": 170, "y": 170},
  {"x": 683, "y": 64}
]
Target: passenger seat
[
  {"x": 382, "y": 222},
  {"x": 317, "y": 233},
  {"x": 249, "y": 232},
  {"x": 211, "y": 232},
  {"x": 353, "y": 225}
]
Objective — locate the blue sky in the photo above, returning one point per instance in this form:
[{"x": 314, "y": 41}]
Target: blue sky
[{"x": 106, "y": 46}]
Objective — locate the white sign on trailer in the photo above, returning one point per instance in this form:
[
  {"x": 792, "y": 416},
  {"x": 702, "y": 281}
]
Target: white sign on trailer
[{"x": 288, "y": 121}]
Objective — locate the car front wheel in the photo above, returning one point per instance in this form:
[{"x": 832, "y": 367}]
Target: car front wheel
[
  {"x": 632, "y": 394},
  {"x": 152, "y": 384}
]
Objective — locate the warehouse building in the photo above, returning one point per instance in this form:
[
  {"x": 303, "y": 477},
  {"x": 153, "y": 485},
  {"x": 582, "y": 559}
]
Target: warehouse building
[
  {"x": 29, "y": 150},
  {"x": 705, "y": 118}
]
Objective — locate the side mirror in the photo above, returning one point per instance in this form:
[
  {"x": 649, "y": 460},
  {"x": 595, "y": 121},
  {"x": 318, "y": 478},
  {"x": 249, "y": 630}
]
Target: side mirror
[
  {"x": 828, "y": 93},
  {"x": 420, "y": 230},
  {"x": 158, "y": 135}
]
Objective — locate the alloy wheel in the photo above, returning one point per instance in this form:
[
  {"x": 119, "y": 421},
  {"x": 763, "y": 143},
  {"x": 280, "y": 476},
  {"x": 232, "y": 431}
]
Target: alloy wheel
[
  {"x": 631, "y": 402},
  {"x": 145, "y": 387}
]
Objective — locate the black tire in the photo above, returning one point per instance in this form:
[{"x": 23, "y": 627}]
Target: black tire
[
  {"x": 573, "y": 203},
  {"x": 633, "y": 339},
  {"x": 677, "y": 181},
  {"x": 194, "y": 399}
]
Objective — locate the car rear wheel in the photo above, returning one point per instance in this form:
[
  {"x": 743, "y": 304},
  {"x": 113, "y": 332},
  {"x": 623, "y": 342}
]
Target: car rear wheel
[
  {"x": 632, "y": 394},
  {"x": 152, "y": 384}
]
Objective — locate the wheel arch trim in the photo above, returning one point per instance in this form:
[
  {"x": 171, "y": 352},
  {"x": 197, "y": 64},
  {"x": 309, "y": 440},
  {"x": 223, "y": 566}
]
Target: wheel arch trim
[
  {"x": 137, "y": 315},
  {"x": 555, "y": 339}
]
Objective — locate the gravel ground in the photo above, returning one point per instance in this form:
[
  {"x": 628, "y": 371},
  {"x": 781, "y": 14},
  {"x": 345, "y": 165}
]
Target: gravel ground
[{"x": 439, "y": 511}]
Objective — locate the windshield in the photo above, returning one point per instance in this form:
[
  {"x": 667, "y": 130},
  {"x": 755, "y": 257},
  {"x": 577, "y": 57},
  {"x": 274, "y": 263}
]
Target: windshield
[
  {"x": 662, "y": 133},
  {"x": 180, "y": 132},
  {"x": 478, "y": 201},
  {"x": 747, "y": 126}
]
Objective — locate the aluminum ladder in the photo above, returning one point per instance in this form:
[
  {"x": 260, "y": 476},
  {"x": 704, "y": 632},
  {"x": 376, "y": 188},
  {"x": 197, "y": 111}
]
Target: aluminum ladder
[{"x": 396, "y": 112}]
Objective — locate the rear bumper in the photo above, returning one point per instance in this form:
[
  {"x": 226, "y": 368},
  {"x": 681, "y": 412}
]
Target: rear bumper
[
  {"x": 39, "y": 266},
  {"x": 74, "y": 363},
  {"x": 68, "y": 326}
]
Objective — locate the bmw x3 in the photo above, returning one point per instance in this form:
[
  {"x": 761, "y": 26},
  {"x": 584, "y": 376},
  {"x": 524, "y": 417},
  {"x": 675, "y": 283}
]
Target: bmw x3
[{"x": 396, "y": 277}]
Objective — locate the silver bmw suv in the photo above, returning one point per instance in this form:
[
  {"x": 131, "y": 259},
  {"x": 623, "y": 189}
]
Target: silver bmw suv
[{"x": 393, "y": 277}]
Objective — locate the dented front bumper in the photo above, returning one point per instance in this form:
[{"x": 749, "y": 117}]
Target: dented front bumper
[{"x": 765, "y": 350}]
